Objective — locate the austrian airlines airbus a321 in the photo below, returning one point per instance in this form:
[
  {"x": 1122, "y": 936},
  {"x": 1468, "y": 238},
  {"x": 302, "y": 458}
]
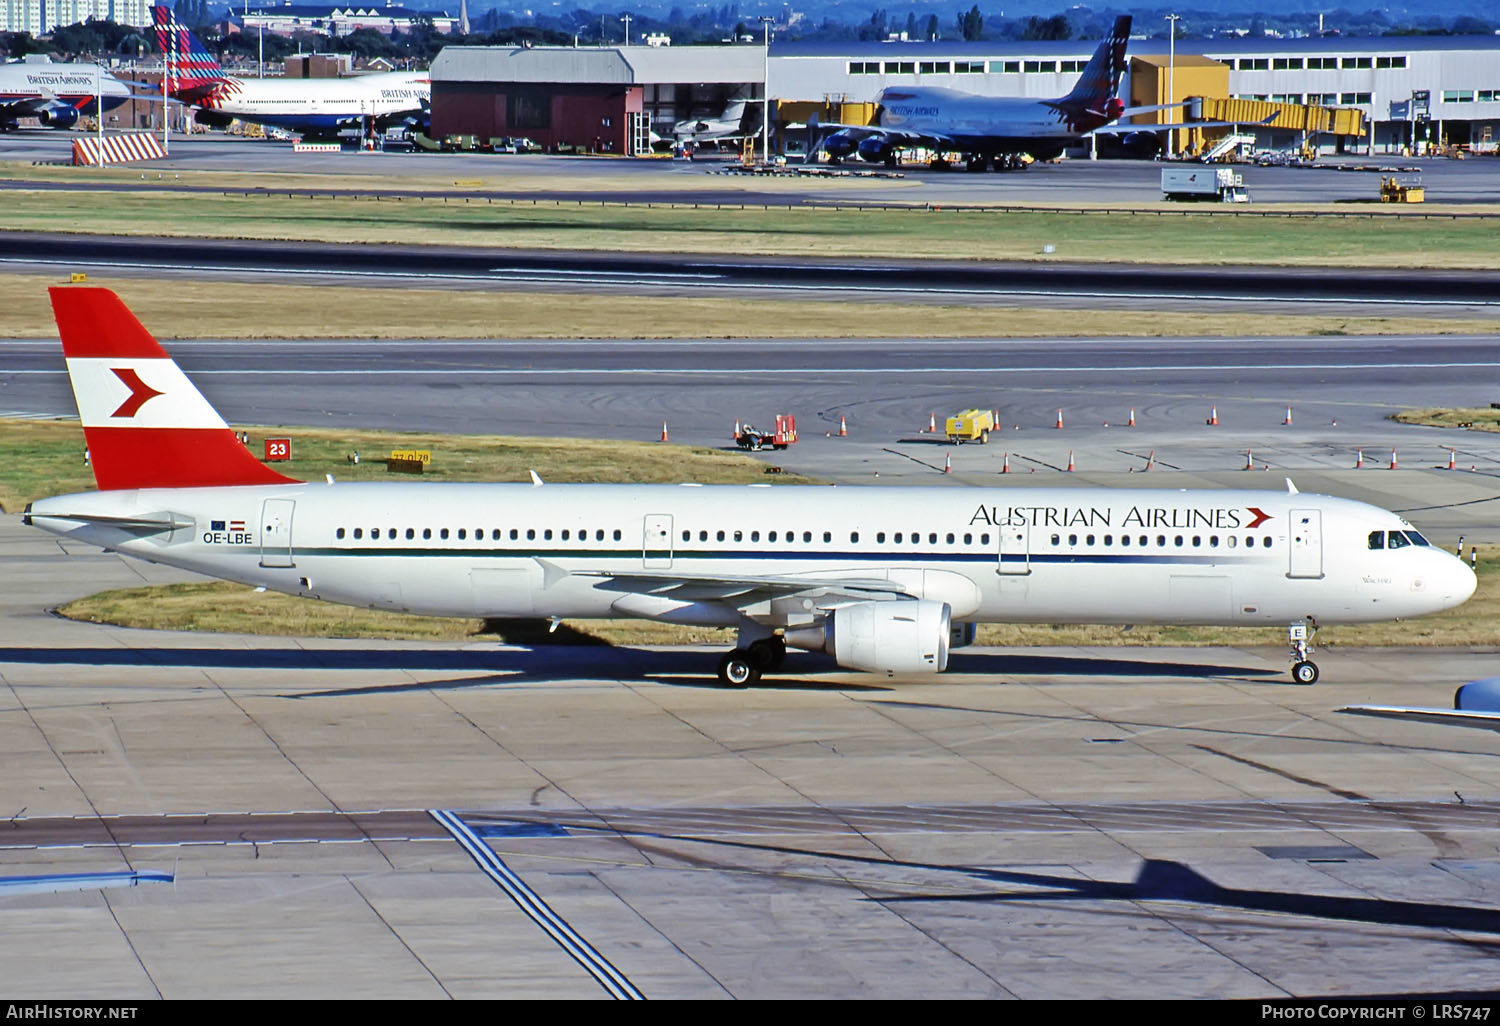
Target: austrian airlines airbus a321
[{"x": 883, "y": 579}]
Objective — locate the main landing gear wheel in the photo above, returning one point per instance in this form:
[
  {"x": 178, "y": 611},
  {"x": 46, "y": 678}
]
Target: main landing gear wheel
[
  {"x": 1305, "y": 672},
  {"x": 738, "y": 669}
]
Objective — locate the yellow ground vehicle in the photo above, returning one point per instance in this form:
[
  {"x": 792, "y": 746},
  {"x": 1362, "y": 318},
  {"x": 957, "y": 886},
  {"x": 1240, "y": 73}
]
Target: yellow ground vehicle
[
  {"x": 1402, "y": 190},
  {"x": 970, "y": 426}
]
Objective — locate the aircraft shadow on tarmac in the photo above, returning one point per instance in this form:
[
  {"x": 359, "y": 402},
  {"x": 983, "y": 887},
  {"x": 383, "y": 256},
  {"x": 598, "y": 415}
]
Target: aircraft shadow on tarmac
[
  {"x": 566, "y": 662},
  {"x": 1161, "y": 880}
]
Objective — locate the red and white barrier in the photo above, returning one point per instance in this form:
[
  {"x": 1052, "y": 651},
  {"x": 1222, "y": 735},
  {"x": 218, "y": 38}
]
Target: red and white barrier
[
  {"x": 303, "y": 147},
  {"x": 116, "y": 149}
]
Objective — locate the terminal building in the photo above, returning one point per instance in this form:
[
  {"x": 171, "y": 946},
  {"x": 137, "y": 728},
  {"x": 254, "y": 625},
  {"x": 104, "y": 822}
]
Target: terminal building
[{"x": 1411, "y": 90}]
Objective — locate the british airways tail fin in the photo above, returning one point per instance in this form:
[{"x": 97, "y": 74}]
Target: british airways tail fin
[
  {"x": 1100, "y": 82},
  {"x": 189, "y": 64},
  {"x": 146, "y": 425}
]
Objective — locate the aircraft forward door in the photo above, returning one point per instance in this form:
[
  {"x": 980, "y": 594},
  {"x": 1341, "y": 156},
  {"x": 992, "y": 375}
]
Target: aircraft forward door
[
  {"x": 276, "y": 532},
  {"x": 1306, "y": 550},
  {"x": 1015, "y": 550},
  {"x": 656, "y": 546}
]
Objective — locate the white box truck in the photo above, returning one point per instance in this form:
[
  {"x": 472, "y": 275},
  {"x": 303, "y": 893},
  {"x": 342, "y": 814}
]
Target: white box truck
[{"x": 1203, "y": 183}]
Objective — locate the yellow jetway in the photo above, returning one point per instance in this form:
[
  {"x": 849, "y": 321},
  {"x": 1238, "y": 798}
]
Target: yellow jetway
[
  {"x": 837, "y": 111},
  {"x": 1203, "y": 85}
]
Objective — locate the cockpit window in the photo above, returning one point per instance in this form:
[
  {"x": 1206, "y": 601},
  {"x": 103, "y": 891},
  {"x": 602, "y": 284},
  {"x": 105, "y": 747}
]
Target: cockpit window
[
  {"x": 1377, "y": 539},
  {"x": 1396, "y": 539},
  {"x": 1415, "y": 538}
]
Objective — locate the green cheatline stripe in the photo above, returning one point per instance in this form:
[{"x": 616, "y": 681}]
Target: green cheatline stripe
[{"x": 1117, "y": 558}]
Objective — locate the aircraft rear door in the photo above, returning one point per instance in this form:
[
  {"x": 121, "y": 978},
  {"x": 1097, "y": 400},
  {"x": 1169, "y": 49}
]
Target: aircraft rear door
[
  {"x": 276, "y": 532},
  {"x": 656, "y": 546},
  {"x": 1306, "y": 551}
]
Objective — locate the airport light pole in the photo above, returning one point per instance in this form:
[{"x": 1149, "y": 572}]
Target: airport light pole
[
  {"x": 1172, "y": 20},
  {"x": 765, "y": 97}
]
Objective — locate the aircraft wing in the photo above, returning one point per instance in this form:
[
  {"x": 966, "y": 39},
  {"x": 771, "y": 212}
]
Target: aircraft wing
[
  {"x": 1449, "y": 717},
  {"x": 733, "y": 589}
]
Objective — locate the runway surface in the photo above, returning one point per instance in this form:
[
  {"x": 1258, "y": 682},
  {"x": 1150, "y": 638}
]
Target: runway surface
[
  {"x": 1341, "y": 392},
  {"x": 676, "y": 274}
]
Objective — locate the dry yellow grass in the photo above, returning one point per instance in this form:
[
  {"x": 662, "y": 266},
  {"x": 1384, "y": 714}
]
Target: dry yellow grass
[
  {"x": 246, "y": 310},
  {"x": 1475, "y": 419},
  {"x": 46, "y": 458}
]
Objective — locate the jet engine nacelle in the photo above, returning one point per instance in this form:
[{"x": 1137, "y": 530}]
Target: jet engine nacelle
[
  {"x": 874, "y": 149},
  {"x": 58, "y": 117},
  {"x": 840, "y": 144},
  {"x": 882, "y": 637},
  {"x": 213, "y": 119}
]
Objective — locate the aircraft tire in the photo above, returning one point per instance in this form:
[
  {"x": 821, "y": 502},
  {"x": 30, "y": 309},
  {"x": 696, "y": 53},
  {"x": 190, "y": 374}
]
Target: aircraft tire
[
  {"x": 1305, "y": 673},
  {"x": 738, "y": 669}
]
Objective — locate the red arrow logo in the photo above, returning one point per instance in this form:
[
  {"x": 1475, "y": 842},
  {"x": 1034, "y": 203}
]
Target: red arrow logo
[
  {"x": 140, "y": 392},
  {"x": 1261, "y": 516}
]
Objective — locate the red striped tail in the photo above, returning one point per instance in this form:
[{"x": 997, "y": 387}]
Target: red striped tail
[{"x": 146, "y": 425}]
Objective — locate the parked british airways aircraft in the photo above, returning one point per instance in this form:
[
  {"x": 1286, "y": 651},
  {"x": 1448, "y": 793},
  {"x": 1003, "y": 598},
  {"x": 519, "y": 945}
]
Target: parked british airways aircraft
[
  {"x": 309, "y": 107},
  {"x": 885, "y": 580},
  {"x": 1001, "y": 130},
  {"x": 55, "y": 94}
]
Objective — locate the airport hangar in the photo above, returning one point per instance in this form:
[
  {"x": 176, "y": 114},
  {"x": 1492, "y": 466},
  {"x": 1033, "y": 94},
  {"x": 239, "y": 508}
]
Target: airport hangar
[{"x": 1440, "y": 90}]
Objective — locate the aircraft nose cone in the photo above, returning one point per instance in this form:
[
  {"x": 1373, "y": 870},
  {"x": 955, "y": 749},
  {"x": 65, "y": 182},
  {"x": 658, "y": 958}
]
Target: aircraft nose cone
[{"x": 1459, "y": 582}]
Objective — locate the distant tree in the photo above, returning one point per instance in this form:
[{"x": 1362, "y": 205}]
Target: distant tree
[
  {"x": 931, "y": 32},
  {"x": 911, "y": 25},
  {"x": 1470, "y": 26},
  {"x": 971, "y": 25},
  {"x": 1055, "y": 27}
]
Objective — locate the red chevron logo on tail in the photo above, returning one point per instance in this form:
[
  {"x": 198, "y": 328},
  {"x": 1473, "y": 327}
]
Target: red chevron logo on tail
[{"x": 140, "y": 392}]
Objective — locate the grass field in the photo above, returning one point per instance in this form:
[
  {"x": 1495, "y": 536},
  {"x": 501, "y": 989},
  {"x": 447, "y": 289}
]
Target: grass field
[
  {"x": 233, "y": 608},
  {"x": 244, "y": 310},
  {"x": 1478, "y": 419},
  {"x": 1158, "y": 234},
  {"x": 43, "y": 458}
]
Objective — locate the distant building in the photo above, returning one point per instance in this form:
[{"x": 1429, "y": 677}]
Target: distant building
[
  {"x": 289, "y": 19},
  {"x": 41, "y": 16}
]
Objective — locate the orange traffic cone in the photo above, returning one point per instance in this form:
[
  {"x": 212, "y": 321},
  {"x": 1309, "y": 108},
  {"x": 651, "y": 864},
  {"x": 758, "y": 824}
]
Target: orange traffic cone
[
  {"x": 1070, "y": 461},
  {"x": 1059, "y": 419},
  {"x": 1213, "y": 418},
  {"x": 1249, "y": 460},
  {"x": 1131, "y": 422},
  {"x": 1005, "y": 466},
  {"x": 1359, "y": 459},
  {"x": 947, "y": 464},
  {"x": 843, "y": 427},
  {"x": 736, "y": 429},
  {"x": 1452, "y": 460},
  {"x": 1151, "y": 460},
  {"x": 1288, "y": 421},
  {"x": 1393, "y": 460},
  {"x": 663, "y": 431},
  {"x": 932, "y": 422}
]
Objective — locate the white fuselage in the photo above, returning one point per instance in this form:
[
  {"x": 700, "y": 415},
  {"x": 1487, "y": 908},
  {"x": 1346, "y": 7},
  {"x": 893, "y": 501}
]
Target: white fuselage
[
  {"x": 36, "y": 85},
  {"x": 302, "y": 104},
  {"x": 971, "y": 119},
  {"x": 993, "y": 555}
]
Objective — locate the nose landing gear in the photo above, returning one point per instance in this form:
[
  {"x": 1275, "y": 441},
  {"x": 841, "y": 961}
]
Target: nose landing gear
[{"x": 1300, "y": 636}]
